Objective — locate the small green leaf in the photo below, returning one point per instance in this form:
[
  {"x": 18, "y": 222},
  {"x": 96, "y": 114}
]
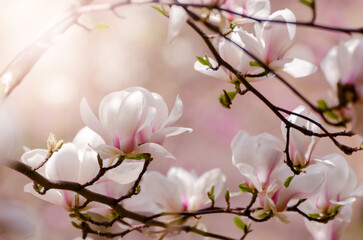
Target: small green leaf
[
  {"x": 160, "y": 10},
  {"x": 255, "y": 64},
  {"x": 138, "y": 156},
  {"x": 211, "y": 193},
  {"x": 101, "y": 26},
  {"x": 336, "y": 209},
  {"x": 308, "y": 3},
  {"x": 322, "y": 104},
  {"x": 315, "y": 216},
  {"x": 204, "y": 61},
  {"x": 239, "y": 223},
  {"x": 263, "y": 215},
  {"x": 233, "y": 24},
  {"x": 75, "y": 224},
  {"x": 288, "y": 181},
  {"x": 225, "y": 100},
  {"x": 244, "y": 188},
  {"x": 332, "y": 115},
  {"x": 226, "y": 196}
]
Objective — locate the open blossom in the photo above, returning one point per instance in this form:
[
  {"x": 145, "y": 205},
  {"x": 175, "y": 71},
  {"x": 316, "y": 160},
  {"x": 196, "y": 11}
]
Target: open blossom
[
  {"x": 178, "y": 191},
  {"x": 132, "y": 121},
  {"x": 301, "y": 146},
  {"x": 259, "y": 159},
  {"x": 75, "y": 162},
  {"x": 256, "y": 157},
  {"x": 231, "y": 53},
  {"x": 342, "y": 70},
  {"x": 272, "y": 41},
  {"x": 338, "y": 189}
]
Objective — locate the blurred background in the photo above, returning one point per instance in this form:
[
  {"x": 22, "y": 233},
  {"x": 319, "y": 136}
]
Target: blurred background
[{"x": 133, "y": 52}]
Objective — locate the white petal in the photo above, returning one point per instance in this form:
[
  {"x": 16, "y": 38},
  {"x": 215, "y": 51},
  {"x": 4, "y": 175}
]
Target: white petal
[
  {"x": 64, "y": 164},
  {"x": 157, "y": 151},
  {"x": 90, "y": 119},
  {"x": 219, "y": 73},
  {"x": 160, "y": 135},
  {"x": 177, "y": 19},
  {"x": 175, "y": 113},
  {"x": 294, "y": 67},
  {"x": 34, "y": 158},
  {"x": 126, "y": 173}
]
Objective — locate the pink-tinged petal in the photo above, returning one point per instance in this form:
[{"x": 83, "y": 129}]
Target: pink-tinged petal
[
  {"x": 258, "y": 8},
  {"x": 252, "y": 43},
  {"x": 126, "y": 173},
  {"x": 185, "y": 180},
  {"x": 248, "y": 173},
  {"x": 108, "y": 110},
  {"x": 108, "y": 151},
  {"x": 175, "y": 113},
  {"x": 34, "y": 158},
  {"x": 357, "y": 60},
  {"x": 52, "y": 195},
  {"x": 64, "y": 164},
  {"x": 213, "y": 177},
  {"x": 277, "y": 37},
  {"x": 88, "y": 165},
  {"x": 231, "y": 51},
  {"x": 295, "y": 67},
  {"x": 160, "y": 135},
  {"x": 86, "y": 138},
  {"x": 163, "y": 192},
  {"x": 330, "y": 69},
  {"x": 219, "y": 73},
  {"x": 177, "y": 19},
  {"x": 346, "y": 65},
  {"x": 128, "y": 125},
  {"x": 157, "y": 151},
  {"x": 162, "y": 111},
  {"x": 91, "y": 121},
  {"x": 301, "y": 186}
]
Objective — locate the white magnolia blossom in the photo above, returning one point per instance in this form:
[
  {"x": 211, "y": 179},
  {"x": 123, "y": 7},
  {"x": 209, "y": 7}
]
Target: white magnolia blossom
[
  {"x": 256, "y": 157},
  {"x": 133, "y": 121},
  {"x": 301, "y": 146},
  {"x": 342, "y": 66},
  {"x": 76, "y": 162},
  {"x": 232, "y": 53},
  {"x": 259, "y": 159},
  {"x": 338, "y": 189},
  {"x": 272, "y": 41},
  {"x": 178, "y": 191}
]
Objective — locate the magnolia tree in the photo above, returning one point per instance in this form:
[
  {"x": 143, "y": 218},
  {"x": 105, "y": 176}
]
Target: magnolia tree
[{"x": 102, "y": 178}]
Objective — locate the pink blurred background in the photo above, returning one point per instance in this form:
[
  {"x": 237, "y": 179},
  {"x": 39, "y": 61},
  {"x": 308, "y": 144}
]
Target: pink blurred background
[{"x": 133, "y": 52}]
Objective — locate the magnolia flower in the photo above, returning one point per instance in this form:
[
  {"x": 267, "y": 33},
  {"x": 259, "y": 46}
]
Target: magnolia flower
[
  {"x": 252, "y": 8},
  {"x": 232, "y": 53},
  {"x": 259, "y": 160},
  {"x": 178, "y": 191},
  {"x": 133, "y": 121},
  {"x": 272, "y": 42},
  {"x": 256, "y": 158},
  {"x": 278, "y": 196},
  {"x": 75, "y": 162},
  {"x": 339, "y": 187},
  {"x": 342, "y": 69},
  {"x": 301, "y": 146},
  {"x": 332, "y": 230}
]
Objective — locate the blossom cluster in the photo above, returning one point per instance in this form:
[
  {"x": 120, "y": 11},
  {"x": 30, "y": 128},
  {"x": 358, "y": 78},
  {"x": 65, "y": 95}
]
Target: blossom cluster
[{"x": 111, "y": 154}]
